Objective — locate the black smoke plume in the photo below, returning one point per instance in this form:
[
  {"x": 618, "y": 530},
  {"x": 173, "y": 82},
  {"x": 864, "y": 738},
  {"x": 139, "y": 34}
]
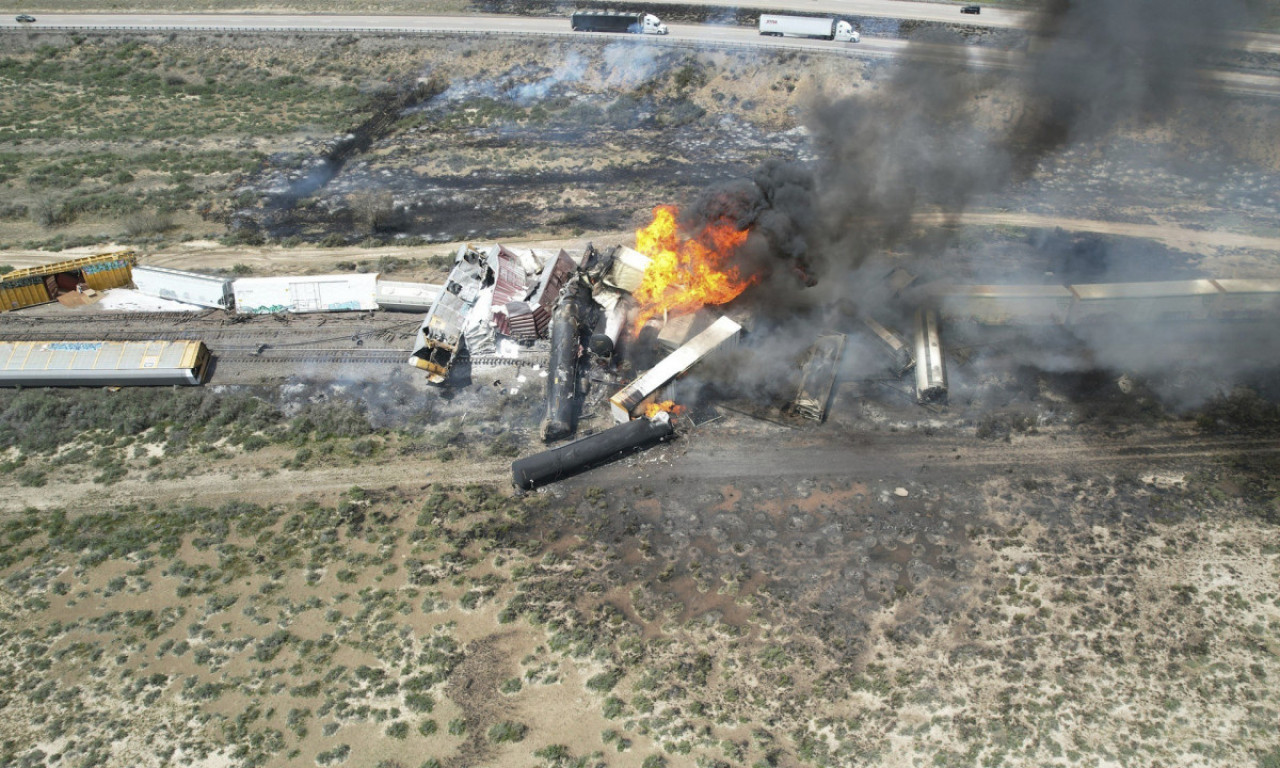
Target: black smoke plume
[
  {"x": 920, "y": 142},
  {"x": 925, "y": 140}
]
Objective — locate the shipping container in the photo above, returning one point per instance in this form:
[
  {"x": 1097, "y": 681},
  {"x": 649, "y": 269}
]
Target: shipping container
[
  {"x": 38, "y": 285},
  {"x": 407, "y": 297},
  {"x": 187, "y": 287},
  {"x": 102, "y": 363},
  {"x": 311, "y": 293}
]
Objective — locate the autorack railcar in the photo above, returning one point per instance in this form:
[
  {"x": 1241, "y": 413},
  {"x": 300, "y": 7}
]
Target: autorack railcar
[{"x": 103, "y": 363}]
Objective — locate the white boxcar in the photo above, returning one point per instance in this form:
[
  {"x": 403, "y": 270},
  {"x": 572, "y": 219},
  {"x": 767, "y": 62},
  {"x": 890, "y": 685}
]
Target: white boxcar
[
  {"x": 628, "y": 269},
  {"x": 187, "y": 287},
  {"x": 1248, "y": 299},
  {"x": 1144, "y": 302},
  {"x": 306, "y": 293},
  {"x": 719, "y": 334},
  {"x": 1004, "y": 304},
  {"x": 407, "y": 297}
]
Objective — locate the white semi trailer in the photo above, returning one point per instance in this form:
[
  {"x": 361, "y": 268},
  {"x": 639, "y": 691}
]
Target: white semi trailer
[{"x": 807, "y": 26}]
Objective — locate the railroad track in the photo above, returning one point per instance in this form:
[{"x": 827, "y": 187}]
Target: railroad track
[
  {"x": 278, "y": 337},
  {"x": 304, "y": 355},
  {"x": 267, "y": 354}
]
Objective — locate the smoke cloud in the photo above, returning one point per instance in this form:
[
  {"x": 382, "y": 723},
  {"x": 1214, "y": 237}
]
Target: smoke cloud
[{"x": 930, "y": 139}]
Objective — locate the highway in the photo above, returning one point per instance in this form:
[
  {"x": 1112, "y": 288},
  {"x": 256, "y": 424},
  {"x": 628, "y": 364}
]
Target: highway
[{"x": 681, "y": 34}]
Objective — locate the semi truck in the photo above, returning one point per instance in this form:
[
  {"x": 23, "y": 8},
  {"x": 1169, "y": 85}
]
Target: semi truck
[
  {"x": 808, "y": 26},
  {"x": 608, "y": 21}
]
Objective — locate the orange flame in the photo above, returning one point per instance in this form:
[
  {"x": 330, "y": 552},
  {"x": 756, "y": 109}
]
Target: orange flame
[
  {"x": 687, "y": 273},
  {"x": 653, "y": 409}
]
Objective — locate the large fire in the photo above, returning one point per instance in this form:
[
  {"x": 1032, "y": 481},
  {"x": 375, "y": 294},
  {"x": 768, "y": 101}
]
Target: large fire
[
  {"x": 687, "y": 273},
  {"x": 667, "y": 406}
]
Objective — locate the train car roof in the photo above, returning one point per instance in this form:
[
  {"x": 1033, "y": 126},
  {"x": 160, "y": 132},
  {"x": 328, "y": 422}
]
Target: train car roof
[
  {"x": 1156, "y": 290},
  {"x": 1002, "y": 291},
  {"x": 95, "y": 356},
  {"x": 1234, "y": 285}
]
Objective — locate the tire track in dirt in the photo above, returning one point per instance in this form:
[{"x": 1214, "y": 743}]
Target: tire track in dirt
[
  {"x": 919, "y": 457},
  {"x": 217, "y": 487}
]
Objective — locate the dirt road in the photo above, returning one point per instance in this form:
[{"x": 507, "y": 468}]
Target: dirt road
[
  {"x": 205, "y": 254},
  {"x": 712, "y": 455},
  {"x": 715, "y": 457}
]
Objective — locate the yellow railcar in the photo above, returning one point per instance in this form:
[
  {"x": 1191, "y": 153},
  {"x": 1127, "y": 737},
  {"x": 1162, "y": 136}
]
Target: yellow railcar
[{"x": 37, "y": 285}]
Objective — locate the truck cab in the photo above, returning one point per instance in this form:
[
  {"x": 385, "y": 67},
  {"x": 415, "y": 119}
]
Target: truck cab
[
  {"x": 845, "y": 33},
  {"x": 652, "y": 25}
]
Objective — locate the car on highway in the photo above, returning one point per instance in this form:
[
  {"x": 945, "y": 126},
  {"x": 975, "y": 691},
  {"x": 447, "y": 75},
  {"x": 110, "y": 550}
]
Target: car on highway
[
  {"x": 24, "y": 18},
  {"x": 974, "y": 9}
]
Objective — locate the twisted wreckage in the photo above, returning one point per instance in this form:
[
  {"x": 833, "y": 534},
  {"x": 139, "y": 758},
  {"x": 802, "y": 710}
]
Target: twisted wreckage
[
  {"x": 592, "y": 315},
  {"x": 573, "y": 312}
]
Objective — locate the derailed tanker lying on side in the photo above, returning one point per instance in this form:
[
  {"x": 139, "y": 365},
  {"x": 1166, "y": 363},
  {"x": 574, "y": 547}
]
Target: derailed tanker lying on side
[{"x": 591, "y": 451}]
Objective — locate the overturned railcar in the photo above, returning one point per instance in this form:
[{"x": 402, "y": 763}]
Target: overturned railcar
[
  {"x": 562, "y": 370},
  {"x": 39, "y": 285},
  {"x": 440, "y": 338},
  {"x": 931, "y": 369},
  {"x": 818, "y": 379},
  {"x": 723, "y": 332},
  {"x": 406, "y": 297},
  {"x": 893, "y": 344},
  {"x": 591, "y": 451},
  {"x": 186, "y": 287}
]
